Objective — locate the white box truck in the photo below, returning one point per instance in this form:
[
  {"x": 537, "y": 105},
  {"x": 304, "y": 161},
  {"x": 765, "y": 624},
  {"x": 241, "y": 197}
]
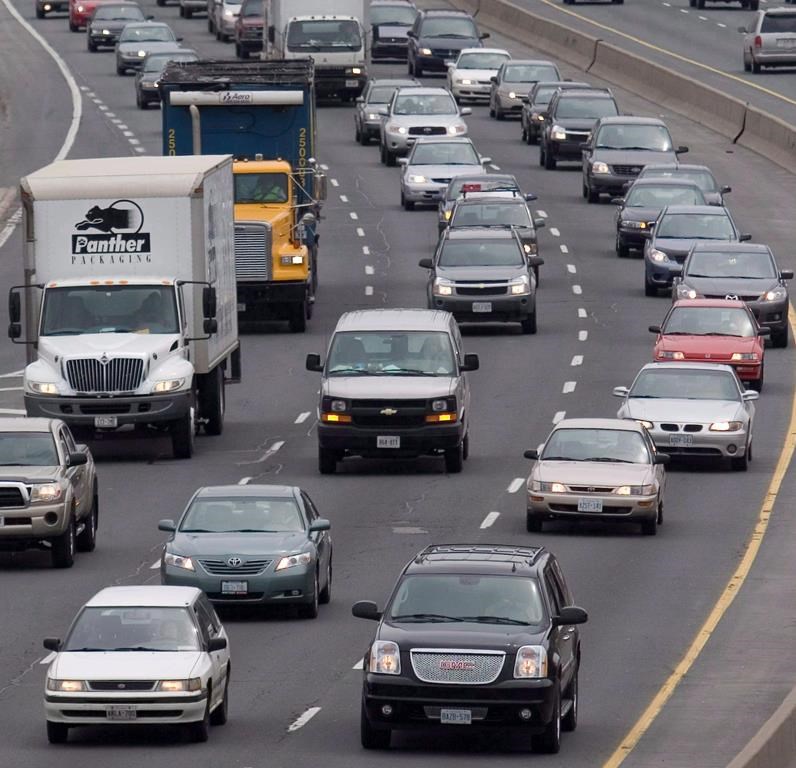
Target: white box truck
[
  {"x": 129, "y": 308},
  {"x": 335, "y": 35}
]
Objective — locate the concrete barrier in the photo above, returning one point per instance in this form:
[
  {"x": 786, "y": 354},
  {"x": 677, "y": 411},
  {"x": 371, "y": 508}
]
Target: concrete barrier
[
  {"x": 774, "y": 745},
  {"x": 770, "y": 136}
]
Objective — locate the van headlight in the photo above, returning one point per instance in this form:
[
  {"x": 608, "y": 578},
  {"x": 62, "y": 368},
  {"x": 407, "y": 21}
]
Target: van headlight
[
  {"x": 443, "y": 287},
  {"x": 557, "y": 133},
  {"x": 599, "y": 167},
  {"x": 520, "y": 286}
]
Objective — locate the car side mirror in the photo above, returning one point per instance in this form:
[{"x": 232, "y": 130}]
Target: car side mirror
[
  {"x": 571, "y": 614},
  {"x": 77, "y": 459},
  {"x": 485, "y": 160},
  {"x": 744, "y": 237},
  {"x": 539, "y": 223},
  {"x": 676, "y": 270},
  {"x": 531, "y": 454},
  {"x": 681, "y": 150},
  {"x": 52, "y": 644},
  {"x": 209, "y": 302},
  {"x": 493, "y": 79},
  {"x": 359, "y": 100},
  {"x": 535, "y": 261},
  {"x": 661, "y": 458},
  {"x": 169, "y": 526},
  {"x": 620, "y": 391},
  {"x": 750, "y": 395},
  {"x": 14, "y": 331},
  {"x": 618, "y": 200},
  {"x": 464, "y": 111},
  {"x": 313, "y": 363},
  {"x": 484, "y": 36},
  {"x": 210, "y": 326},
  {"x": 321, "y": 524},
  {"x": 786, "y": 274},
  {"x": 763, "y": 331},
  {"x": 403, "y": 161},
  {"x": 471, "y": 362},
  {"x": 530, "y": 197},
  {"x": 426, "y": 263},
  {"x": 271, "y": 33},
  {"x": 411, "y": 34},
  {"x": 383, "y": 111},
  {"x": 180, "y": 39},
  {"x": 654, "y": 329},
  {"x": 725, "y": 190},
  {"x": 216, "y": 644},
  {"x": 366, "y": 609}
]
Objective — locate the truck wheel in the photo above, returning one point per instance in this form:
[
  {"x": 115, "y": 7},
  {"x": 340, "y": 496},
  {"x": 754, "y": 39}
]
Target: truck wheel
[
  {"x": 63, "y": 547},
  {"x": 327, "y": 461},
  {"x": 549, "y": 741},
  {"x": 87, "y": 538},
  {"x": 182, "y": 435},
  {"x": 213, "y": 401},
  {"x": 454, "y": 459},
  {"x": 298, "y": 317}
]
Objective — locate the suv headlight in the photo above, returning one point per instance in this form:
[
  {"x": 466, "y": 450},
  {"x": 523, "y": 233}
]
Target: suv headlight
[
  {"x": 372, "y": 116},
  {"x": 43, "y": 387},
  {"x": 599, "y": 167},
  {"x": 168, "y": 385},
  {"x": 442, "y": 286},
  {"x": 726, "y": 426},
  {"x": 46, "y": 493},
  {"x": 520, "y": 286},
  {"x": 540, "y": 487},
  {"x": 416, "y": 178},
  {"x": 531, "y": 662},
  {"x": 635, "y": 490},
  {"x": 775, "y": 294},
  {"x": 393, "y": 128},
  {"x": 425, "y": 51},
  {"x": 685, "y": 292},
  {"x": 175, "y": 686},
  {"x": 628, "y": 224},
  {"x": 557, "y": 133},
  {"x": 658, "y": 256},
  {"x": 291, "y": 561},
  {"x": 178, "y": 561},
  {"x": 66, "y": 686},
  {"x": 457, "y": 128},
  {"x": 385, "y": 658}
]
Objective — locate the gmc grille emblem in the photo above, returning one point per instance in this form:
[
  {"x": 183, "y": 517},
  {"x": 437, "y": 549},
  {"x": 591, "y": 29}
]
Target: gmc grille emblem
[{"x": 456, "y": 666}]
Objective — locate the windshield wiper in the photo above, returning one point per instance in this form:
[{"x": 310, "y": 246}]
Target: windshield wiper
[
  {"x": 645, "y": 397},
  {"x": 425, "y": 617},
  {"x": 139, "y": 648},
  {"x": 253, "y": 530},
  {"x": 559, "y": 458},
  {"x": 196, "y": 530},
  {"x": 494, "y": 620},
  {"x": 85, "y": 650},
  {"x": 406, "y": 372},
  {"x": 347, "y": 371},
  {"x": 610, "y": 458}
]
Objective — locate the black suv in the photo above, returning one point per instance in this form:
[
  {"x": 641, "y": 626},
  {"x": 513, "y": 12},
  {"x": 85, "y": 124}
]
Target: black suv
[
  {"x": 568, "y": 122},
  {"x": 436, "y": 38},
  {"x": 474, "y": 635}
]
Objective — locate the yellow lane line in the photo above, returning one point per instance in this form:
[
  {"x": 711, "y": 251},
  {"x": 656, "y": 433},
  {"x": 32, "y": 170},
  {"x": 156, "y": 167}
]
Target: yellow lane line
[
  {"x": 671, "y": 54},
  {"x": 734, "y": 585}
]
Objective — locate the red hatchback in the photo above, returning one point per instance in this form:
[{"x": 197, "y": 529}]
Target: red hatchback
[
  {"x": 80, "y": 12},
  {"x": 713, "y": 331}
]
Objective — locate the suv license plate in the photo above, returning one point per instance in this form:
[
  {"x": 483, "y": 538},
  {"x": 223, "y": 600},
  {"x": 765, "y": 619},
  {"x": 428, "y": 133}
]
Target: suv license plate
[
  {"x": 234, "y": 587},
  {"x": 456, "y": 716},
  {"x": 106, "y": 421},
  {"x": 482, "y": 306},
  {"x": 590, "y": 505},
  {"x": 351, "y": 83},
  {"x": 681, "y": 440},
  {"x": 388, "y": 441},
  {"x": 120, "y": 712}
]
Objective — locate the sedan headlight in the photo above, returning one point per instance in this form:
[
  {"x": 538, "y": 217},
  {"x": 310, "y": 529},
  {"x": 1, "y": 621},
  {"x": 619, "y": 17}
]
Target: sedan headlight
[
  {"x": 106, "y": 31},
  {"x": 439, "y": 405},
  {"x": 685, "y": 292},
  {"x": 540, "y": 487},
  {"x": 393, "y": 128},
  {"x": 457, "y": 128},
  {"x": 775, "y": 294},
  {"x": 416, "y": 178},
  {"x": 635, "y": 490},
  {"x": 726, "y": 426},
  {"x": 557, "y": 133},
  {"x": 385, "y": 658},
  {"x": 599, "y": 167},
  {"x": 666, "y": 354},
  {"x": 464, "y": 81},
  {"x": 168, "y": 385},
  {"x": 628, "y": 224},
  {"x": 141, "y": 54},
  {"x": 291, "y": 561},
  {"x": 43, "y": 387},
  {"x": 355, "y": 71},
  {"x": 531, "y": 662},
  {"x": 658, "y": 256},
  {"x": 425, "y": 51},
  {"x": 177, "y": 686},
  {"x": 66, "y": 686},
  {"x": 372, "y": 116},
  {"x": 442, "y": 286},
  {"x": 46, "y": 493},
  {"x": 512, "y": 95},
  {"x": 520, "y": 286},
  {"x": 736, "y": 356},
  {"x": 178, "y": 561}
]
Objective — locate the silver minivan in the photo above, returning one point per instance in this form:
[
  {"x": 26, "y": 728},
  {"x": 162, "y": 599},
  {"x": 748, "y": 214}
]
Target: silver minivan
[{"x": 769, "y": 40}]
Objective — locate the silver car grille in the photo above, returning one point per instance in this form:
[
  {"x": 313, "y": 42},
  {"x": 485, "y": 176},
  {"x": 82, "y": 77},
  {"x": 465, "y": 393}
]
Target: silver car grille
[
  {"x": 253, "y": 251},
  {"x": 222, "y": 567},
  {"x": 669, "y": 427},
  {"x": 117, "y": 374},
  {"x": 457, "y": 667}
]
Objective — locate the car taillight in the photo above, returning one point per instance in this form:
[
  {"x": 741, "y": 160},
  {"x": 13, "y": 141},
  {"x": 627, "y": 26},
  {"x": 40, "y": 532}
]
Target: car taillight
[{"x": 758, "y": 41}]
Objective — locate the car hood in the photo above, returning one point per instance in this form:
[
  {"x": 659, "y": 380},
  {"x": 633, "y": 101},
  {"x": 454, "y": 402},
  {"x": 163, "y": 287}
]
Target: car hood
[
  {"x": 196, "y": 544},
  {"x": 440, "y": 171},
  {"x": 149, "y": 47},
  {"x": 30, "y": 474},
  {"x": 125, "y": 665},
  {"x": 736, "y": 286},
  {"x": 482, "y": 273},
  {"x": 453, "y": 635},
  {"x": 716, "y": 347},
  {"x": 674, "y": 246},
  {"x": 575, "y": 123},
  {"x": 640, "y": 157},
  {"x": 592, "y": 473},
  {"x": 414, "y": 121},
  {"x": 475, "y": 74},
  {"x": 680, "y": 410},
  {"x": 448, "y": 43},
  {"x": 639, "y": 214},
  {"x": 112, "y": 344},
  {"x": 112, "y": 24},
  {"x": 389, "y": 387}
]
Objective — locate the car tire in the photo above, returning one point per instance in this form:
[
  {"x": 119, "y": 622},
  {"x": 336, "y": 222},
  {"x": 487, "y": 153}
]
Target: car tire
[
  {"x": 310, "y": 610},
  {"x": 327, "y": 461},
  {"x": 649, "y": 288},
  {"x": 533, "y": 137},
  {"x": 466, "y": 445},
  {"x": 122, "y": 71},
  {"x": 541, "y": 155},
  {"x": 139, "y": 101},
  {"x": 73, "y": 27},
  {"x": 780, "y": 338},
  {"x": 660, "y": 513},
  {"x": 649, "y": 526},
  {"x": 325, "y": 596},
  {"x": 364, "y": 138},
  {"x": 161, "y": 3},
  {"x": 533, "y": 523},
  {"x": 454, "y": 459},
  {"x": 92, "y": 48},
  {"x": 87, "y": 539},
  {"x": 199, "y": 732},
  {"x": 549, "y": 161},
  {"x": 182, "y": 12},
  {"x": 549, "y": 741},
  {"x": 740, "y": 463},
  {"x": 592, "y": 195},
  {"x": 210, "y": 27},
  {"x": 389, "y": 158},
  {"x": 370, "y": 737},
  {"x": 622, "y": 251},
  {"x": 39, "y": 13},
  {"x": 183, "y": 434},
  {"x": 692, "y": 3},
  {"x": 528, "y": 324},
  {"x": 407, "y": 205},
  {"x": 570, "y": 720},
  {"x": 63, "y": 547},
  {"x": 523, "y": 134},
  {"x": 188, "y": 13},
  {"x": 756, "y": 67},
  {"x": 57, "y": 733},
  {"x": 418, "y": 70},
  {"x": 491, "y": 110},
  {"x": 757, "y": 384},
  {"x": 499, "y": 114},
  {"x": 220, "y": 714},
  {"x": 747, "y": 65}
]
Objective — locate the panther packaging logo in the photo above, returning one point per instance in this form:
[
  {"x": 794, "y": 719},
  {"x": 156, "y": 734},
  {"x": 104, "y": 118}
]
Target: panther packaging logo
[{"x": 120, "y": 239}]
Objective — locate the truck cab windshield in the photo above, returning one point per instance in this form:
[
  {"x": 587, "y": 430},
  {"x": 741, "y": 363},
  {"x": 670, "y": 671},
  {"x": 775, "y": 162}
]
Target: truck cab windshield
[
  {"x": 260, "y": 187},
  {"x": 324, "y": 35},
  {"x": 74, "y": 310}
]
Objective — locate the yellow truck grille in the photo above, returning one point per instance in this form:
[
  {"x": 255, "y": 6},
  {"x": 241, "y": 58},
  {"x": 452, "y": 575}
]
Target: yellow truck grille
[{"x": 253, "y": 252}]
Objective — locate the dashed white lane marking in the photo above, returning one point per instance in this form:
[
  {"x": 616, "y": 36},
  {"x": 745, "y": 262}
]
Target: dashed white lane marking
[
  {"x": 139, "y": 149},
  {"x": 267, "y": 455},
  {"x": 577, "y": 290},
  {"x": 359, "y": 665},
  {"x": 116, "y": 121},
  {"x": 13, "y": 411},
  {"x": 369, "y": 270},
  {"x": 122, "y": 126},
  {"x": 302, "y": 417},
  {"x": 10, "y": 226},
  {"x": 515, "y": 484},
  {"x": 324, "y": 166},
  {"x": 102, "y": 108},
  {"x": 48, "y": 658},
  {"x": 303, "y": 719},
  {"x": 134, "y": 141},
  {"x": 582, "y": 312},
  {"x": 366, "y": 250},
  {"x": 583, "y": 335},
  {"x": 683, "y": 10},
  {"x": 110, "y": 114},
  {"x": 334, "y": 182},
  {"x": 554, "y": 232},
  {"x": 576, "y": 360},
  {"x": 97, "y": 101},
  {"x": 563, "y": 248},
  {"x": 542, "y": 214},
  {"x": 702, "y": 18},
  {"x": 559, "y": 416},
  {"x": 668, "y": 5},
  {"x": 343, "y": 198},
  {"x": 489, "y": 520},
  {"x": 494, "y": 167},
  {"x": 569, "y": 386},
  {"x": 368, "y": 290},
  {"x": 244, "y": 481},
  {"x": 572, "y": 269},
  {"x": 127, "y": 133},
  {"x": 360, "y": 232},
  {"x": 353, "y": 215},
  {"x": 11, "y": 389},
  {"x": 723, "y": 26},
  {"x": 12, "y": 375},
  {"x": 155, "y": 565}
]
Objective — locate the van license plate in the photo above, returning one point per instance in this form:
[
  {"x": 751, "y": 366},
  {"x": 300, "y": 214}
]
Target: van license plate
[
  {"x": 590, "y": 505},
  {"x": 681, "y": 441},
  {"x": 482, "y": 306},
  {"x": 351, "y": 83},
  {"x": 456, "y": 716},
  {"x": 106, "y": 422},
  {"x": 234, "y": 587},
  {"x": 388, "y": 441},
  {"x": 120, "y": 712}
]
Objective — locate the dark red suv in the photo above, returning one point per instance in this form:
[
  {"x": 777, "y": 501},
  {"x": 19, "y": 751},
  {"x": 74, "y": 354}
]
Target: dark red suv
[{"x": 249, "y": 29}]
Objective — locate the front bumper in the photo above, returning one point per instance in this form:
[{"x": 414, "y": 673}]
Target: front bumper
[
  {"x": 250, "y": 44},
  {"x": 98, "y": 39},
  {"x": 149, "y": 93},
  {"x": 371, "y": 128},
  {"x": 610, "y": 182},
  {"x": 703, "y": 443},
  {"x": 82, "y": 411},
  {"x": 474, "y": 91},
  {"x": 270, "y": 301},
  {"x": 660, "y": 273},
  {"x": 336, "y": 81},
  {"x": 226, "y": 25},
  {"x": 560, "y": 505},
  {"x": 134, "y": 63},
  {"x": 415, "y": 441},
  {"x": 631, "y": 237},
  {"x": 438, "y": 63},
  {"x": 504, "y": 308},
  {"x": 150, "y": 708},
  {"x": 507, "y": 104},
  {"x": 389, "y": 50},
  {"x": 427, "y": 192},
  {"x": 567, "y": 149},
  {"x": 23, "y": 526},
  {"x": 52, "y": 6}
]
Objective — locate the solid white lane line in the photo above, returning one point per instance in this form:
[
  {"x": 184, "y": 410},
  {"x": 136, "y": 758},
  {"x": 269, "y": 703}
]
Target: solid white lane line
[
  {"x": 576, "y": 360},
  {"x": 334, "y": 182},
  {"x": 155, "y": 565},
  {"x": 559, "y": 416},
  {"x": 366, "y": 250},
  {"x": 13, "y": 411},
  {"x": 303, "y": 719},
  {"x": 572, "y": 269},
  {"x": 343, "y": 198},
  {"x": 244, "y": 481},
  {"x": 12, "y": 375},
  {"x": 563, "y": 248},
  {"x": 515, "y": 484},
  {"x": 554, "y": 232},
  {"x": 582, "y": 312},
  {"x": 489, "y": 520},
  {"x": 353, "y": 215},
  {"x": 369, "y": 270},
  {"x": 583, "y": 335},
  {"x": 569, "y": 386},
  {"x": 302, "y": 417},
  {"x": 359, "y": 665},
  {"x": 542, "y": 214},
  {"x": 48, "y": 658},
  {"x": 360, "y": 232},
  {"x": 577, "y": 290},
  {"x": 11, "y": 389},
  {"x": 494, "y": 167},
  {"x": 368, "y": 290}
]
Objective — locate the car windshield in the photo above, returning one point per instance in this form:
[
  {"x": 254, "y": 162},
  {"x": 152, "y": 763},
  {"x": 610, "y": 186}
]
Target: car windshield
[
  {"x": 146, "y": 34},
  {"x": 485, "y": 599},
  {"x": 323, "y": 35},
  {"x": 650, "y": 196},
  {"x": 381, "y": 94},
  {"x": 778, "y": 23},
  {"x": 261, "y": 187},
  {"x": 424, "y": 104},
  {"x": 70, "y": 311},
  {"x": 392, "y": 14},
  {"x": 703, "y": 179},
  {"x": 449, "y": 26},
  {"x": 695, "y": 226},
  {"x": 442, "y": 153},
  {"x": 481, "y": 60},
  {"x": 28, "y": 449},
  {"x": 469, "y": 185},
  {"x": 710, "y": 321},
  {"x": 685, "y": 384},
  {"x": 157, "y": 63},
  {"x": 733, "y": 264},
  {"x": 529, "y": 73},
  {"x": 242, "y": 514},
  {"x": 544, "y": 95},
  {"x": 653, "y": 138},
  {"x": 118, "y": 13},
  {"x": 587, "y": 107},
  {"x": 587, "y": 444},
  {"x": 491, "y": 215},
  {"x": 481, "y": 253},
  {"x": 133, "y": 629},
  {"x": 252, "y": 9},
  {"x": 385, "y": 353}
]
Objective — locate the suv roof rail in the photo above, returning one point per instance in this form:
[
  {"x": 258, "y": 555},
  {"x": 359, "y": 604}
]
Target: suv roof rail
[{"x": 509, "y": 551}]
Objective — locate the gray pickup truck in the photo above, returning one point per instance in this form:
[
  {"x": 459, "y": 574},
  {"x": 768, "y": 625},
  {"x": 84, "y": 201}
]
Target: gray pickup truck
[{"x": 48, "y": 490}]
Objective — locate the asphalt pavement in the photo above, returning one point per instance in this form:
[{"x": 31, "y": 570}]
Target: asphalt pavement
[{"x": 646, "y": 596}]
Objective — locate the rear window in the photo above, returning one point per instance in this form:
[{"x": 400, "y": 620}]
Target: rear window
[
  {"x": 587, "y": 106},
  {"x": 778, "y": 23}
]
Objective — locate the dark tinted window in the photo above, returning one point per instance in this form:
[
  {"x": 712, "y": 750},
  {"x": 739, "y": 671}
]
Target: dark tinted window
[
  {"x": 31, "y": 449},
  {"x": 448, "y": 26},
  {"x": 475, "y": 253},
  {"x": 392, "y": 14},
  {"x": 587, "y": 107},
  {"x": 779, "y": 23}
]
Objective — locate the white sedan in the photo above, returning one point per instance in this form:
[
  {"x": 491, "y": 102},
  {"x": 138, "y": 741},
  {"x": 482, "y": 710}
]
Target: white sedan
[
  {"x": 470, "y": 76},
  {"x": 148, "y": 655}
]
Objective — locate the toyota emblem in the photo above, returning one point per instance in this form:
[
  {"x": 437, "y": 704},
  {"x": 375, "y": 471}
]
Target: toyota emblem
[
  {"x": 234, "y": 562},
  {"x": 731, "y": 297}
]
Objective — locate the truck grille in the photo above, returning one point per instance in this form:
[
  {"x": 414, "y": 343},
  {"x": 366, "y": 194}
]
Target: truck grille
[
  {"x": 253, "y": 252},
  {"x": 11, "y": 496},
  {"x": 118, "y": 374},
  {"x": 223, "y": 568},
  {"x": 457, "y": 667},
  {"x": 481, "y": 290}
]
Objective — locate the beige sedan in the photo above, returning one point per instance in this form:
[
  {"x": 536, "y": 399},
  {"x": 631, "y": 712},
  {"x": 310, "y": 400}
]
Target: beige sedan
[{"x": 598, "y": 469}]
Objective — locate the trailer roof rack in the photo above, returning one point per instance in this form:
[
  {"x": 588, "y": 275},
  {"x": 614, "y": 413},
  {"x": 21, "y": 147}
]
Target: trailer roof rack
[{"x": 221, "y": 73}]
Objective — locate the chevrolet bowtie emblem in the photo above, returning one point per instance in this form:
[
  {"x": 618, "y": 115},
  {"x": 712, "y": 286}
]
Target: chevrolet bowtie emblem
[{"x": 388, "y": 411}]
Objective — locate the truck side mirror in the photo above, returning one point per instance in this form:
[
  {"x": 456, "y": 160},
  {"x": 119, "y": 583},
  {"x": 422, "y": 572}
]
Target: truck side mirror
[
  {"x": 313, "y": 363},
  {"x": 320, "y": 191},
  {"x": 209, "y": 303},
  {"x": 14, "y": 307},
  {"x": 271, "y": 34},
  {"x": 210, "y": 325},
  {"x": 470, "y": 363},
  {"x": 426, "y": 263},
  {"x": 14, "y": 331}
]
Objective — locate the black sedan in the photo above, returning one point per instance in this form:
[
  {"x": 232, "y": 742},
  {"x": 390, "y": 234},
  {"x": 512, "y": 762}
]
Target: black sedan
[{"x": 107, "y": 23}]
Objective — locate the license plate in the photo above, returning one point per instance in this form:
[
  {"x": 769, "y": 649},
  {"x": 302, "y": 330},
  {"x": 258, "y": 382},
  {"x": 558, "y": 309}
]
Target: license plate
[
  {"x": 482, "y": 306},
  {"x": 786, "y": 42},
  {"x": 590, "y": 505},
  {"x": 681, "y": 440},
  {"x": 388, "y": 441},
  {"x": 456, "y": 716},
  {"x": 120, "y": 712},
  {"x": 106, "y": 421},
  {"x": 351, "y": 83},
  {"x": 2, "y": 522},
  {"x": 241, "y": 307},
  {"x": 234, "y": 587}
]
